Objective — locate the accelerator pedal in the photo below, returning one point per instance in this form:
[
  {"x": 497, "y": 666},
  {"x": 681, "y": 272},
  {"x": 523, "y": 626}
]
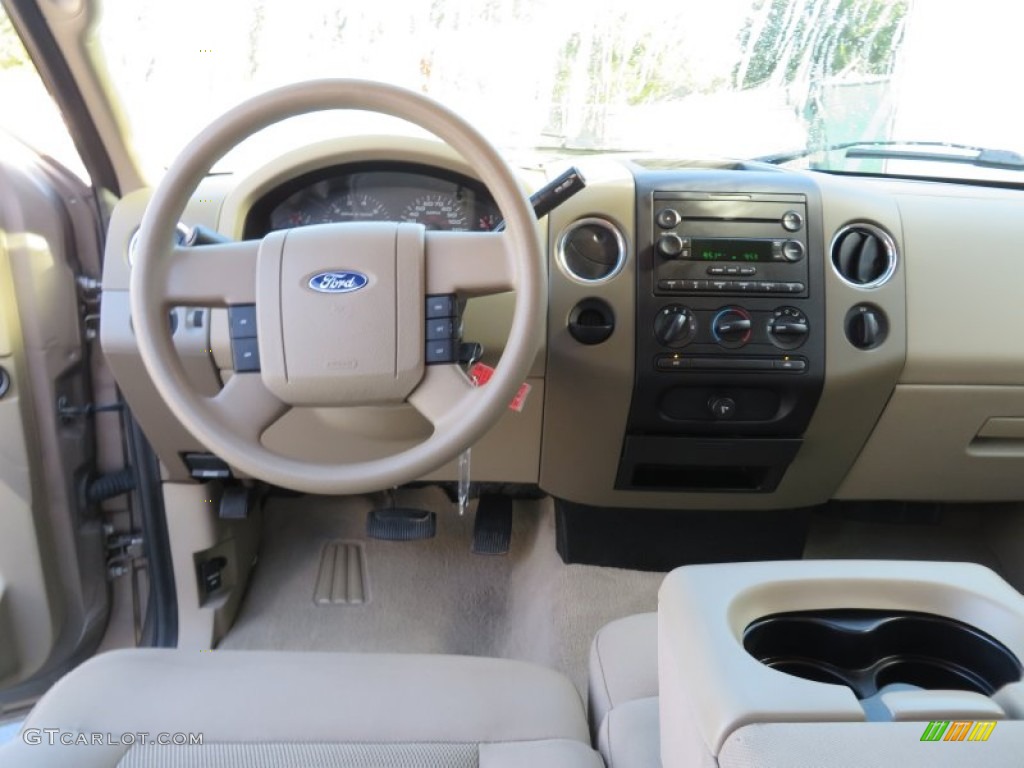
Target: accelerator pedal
[
  {"x": 492, "y": 529},
  {"x": 401, "y": 524}
]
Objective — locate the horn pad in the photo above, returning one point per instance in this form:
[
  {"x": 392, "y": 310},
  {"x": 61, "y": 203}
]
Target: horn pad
[{"x": 341, "y": 313}]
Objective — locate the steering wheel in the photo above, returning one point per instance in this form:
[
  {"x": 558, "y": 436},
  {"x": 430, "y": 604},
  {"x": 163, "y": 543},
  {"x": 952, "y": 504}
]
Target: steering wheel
[{"x": 340, "y": 308}]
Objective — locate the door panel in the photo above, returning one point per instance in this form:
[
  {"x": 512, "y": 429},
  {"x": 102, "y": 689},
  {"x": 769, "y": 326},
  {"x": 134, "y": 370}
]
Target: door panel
[{"x": 53, "y": 590}]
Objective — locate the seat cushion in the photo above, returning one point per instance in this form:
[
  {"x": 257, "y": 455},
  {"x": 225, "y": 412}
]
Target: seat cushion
[
  {"x": 268, "y": 709},
  {"x": 623, "y": 665},
  {"x": 630, "y": 735}
]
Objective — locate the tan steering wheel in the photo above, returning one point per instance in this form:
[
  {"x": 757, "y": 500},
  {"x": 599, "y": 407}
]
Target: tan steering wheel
[{"x": 322, "y": 340}]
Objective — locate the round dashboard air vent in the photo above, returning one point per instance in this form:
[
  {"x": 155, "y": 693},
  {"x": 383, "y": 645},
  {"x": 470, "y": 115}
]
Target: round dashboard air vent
[
  {"x": 864, "y": 255},
  {"x": 592, "y": 250}
]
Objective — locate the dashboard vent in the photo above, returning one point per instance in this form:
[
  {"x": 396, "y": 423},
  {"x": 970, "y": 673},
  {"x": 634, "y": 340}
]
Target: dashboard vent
[
  {"x": 864, "y": 255},
  {"x": 591, "y": 250}
]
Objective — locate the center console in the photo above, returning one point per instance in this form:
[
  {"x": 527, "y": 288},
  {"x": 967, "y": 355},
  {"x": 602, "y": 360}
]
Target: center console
[
  {"x": 729, "y": 330},
  {"x": 841, "y": 663}
]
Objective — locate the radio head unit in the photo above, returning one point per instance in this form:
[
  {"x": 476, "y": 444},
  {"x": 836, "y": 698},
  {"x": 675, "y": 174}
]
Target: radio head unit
[{"x": 728, "y": 247}]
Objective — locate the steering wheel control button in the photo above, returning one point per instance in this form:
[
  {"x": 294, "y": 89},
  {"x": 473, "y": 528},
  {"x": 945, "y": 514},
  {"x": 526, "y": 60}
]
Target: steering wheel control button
[
  {"x": 245, "y": 354},
  {"x": 443, "y": 330},
  {"x": 242, "y": 321},
  {"x": 444, "y": 305},
  {"x": 667, "y": 218},
  {"x": 722, "y": 407},
  {"x": 792, "y": 221},
  {"x": 732, "y": 327},
  {"x": 788, "y": 328},
  {"x": 675, "y": 326},
  {"x": 442, "y": 351}
]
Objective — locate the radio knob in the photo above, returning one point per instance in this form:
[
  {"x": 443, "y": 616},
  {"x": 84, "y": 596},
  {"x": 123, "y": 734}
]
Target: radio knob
[
  {"x": 675, "y": 326},
  {"x": 732, "y": 327},
  {"x": 670, "y": 245},
  {"x": 792, "y": 250},
  {"x": 788, "y": 328},
  {"x": 667, "y": 218}
]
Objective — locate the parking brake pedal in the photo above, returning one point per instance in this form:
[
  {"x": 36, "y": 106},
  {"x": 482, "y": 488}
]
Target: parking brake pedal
[
  {"x": 492, "y": 529},
  {"x": 401, "y": 524}
]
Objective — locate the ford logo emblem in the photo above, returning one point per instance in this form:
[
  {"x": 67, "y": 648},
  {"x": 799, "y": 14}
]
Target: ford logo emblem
[{"x": 338, "y": 282}]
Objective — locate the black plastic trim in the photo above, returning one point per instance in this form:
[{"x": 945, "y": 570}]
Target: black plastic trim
[{"x": 160, "y": 628}]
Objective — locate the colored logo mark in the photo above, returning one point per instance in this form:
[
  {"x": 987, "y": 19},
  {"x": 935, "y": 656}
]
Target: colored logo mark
[{"x": 958, "y": 730}]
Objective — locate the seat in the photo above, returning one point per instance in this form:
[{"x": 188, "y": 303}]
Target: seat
[
  {"x": 623, "y": 692},
  {"x": 332, "y": 710}
]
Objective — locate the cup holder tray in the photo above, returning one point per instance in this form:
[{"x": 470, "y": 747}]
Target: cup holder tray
[{"x": 866, "y": 650}]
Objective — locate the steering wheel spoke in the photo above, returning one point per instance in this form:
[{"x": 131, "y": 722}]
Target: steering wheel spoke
[
  {"x": 468, "y": 263},
  {"x": 247, "y": 407},
  {"x": 211, "y": 275},
  {"x": 443, "y": 391}
]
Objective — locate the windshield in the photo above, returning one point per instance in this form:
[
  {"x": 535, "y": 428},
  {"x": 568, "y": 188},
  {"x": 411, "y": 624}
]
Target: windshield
[{"x": 730, "y": 78}]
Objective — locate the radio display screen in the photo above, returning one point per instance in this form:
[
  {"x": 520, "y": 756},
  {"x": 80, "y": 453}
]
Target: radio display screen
[{"x": 732, "y": 250}]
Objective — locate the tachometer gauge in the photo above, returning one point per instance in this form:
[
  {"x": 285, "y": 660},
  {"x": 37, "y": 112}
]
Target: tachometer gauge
[
  {"x": 358, "y": 207},
  {"x": 437, "y": 211}
]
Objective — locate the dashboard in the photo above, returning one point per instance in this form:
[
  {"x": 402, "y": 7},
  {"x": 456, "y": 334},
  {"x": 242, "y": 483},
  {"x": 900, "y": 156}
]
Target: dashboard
[
  {"x": 719, "y": 336},
  {"x": 438, "y": 199}
]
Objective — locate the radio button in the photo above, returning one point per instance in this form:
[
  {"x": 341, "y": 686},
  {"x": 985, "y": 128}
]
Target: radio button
[
  {"x": 732, "y": 270},
  {"x": 667, "y": 218},
  {"x": 669, "y": 285},
  {"x": 792, "y": 221},
  {"x": 765, "y": 287},
  {"x": 716, "y": 270},
  {"x": 748, "y": 270}
]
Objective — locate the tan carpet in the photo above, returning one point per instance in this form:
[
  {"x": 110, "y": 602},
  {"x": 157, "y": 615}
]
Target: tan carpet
[{"x": 433, "y": 596}]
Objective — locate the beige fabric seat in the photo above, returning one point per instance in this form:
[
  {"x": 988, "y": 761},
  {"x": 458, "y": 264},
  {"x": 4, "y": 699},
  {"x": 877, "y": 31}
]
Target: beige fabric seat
[
  {"x": 623, "y": 692},
  {"x": 268, "y": 710}
]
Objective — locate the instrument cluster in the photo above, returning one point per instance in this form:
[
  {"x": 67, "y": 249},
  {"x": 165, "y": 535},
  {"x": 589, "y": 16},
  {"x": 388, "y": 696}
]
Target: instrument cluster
[{"x": 434, "y": 197}]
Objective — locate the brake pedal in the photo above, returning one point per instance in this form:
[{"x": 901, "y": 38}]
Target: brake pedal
[{"x": 492, "y": 529}]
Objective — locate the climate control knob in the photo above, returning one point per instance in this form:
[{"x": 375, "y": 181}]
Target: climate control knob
[
  {"x": 788, "y": 328},
  {"x": 732, "y": 327},
  {"x": 675, "y": 326}
]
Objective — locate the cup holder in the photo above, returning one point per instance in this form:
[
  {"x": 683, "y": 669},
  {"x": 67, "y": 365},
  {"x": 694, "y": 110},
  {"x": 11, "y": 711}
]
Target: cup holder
[{"x": 868, "y": 649}]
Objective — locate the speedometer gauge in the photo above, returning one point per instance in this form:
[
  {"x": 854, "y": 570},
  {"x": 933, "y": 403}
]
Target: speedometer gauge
[
  {"x": 358, "y": 207},
  {"x": 437, "y": 211}
]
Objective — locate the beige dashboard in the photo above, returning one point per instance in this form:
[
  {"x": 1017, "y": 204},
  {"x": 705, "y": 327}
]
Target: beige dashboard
[{"x": 935, "y": 412}]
